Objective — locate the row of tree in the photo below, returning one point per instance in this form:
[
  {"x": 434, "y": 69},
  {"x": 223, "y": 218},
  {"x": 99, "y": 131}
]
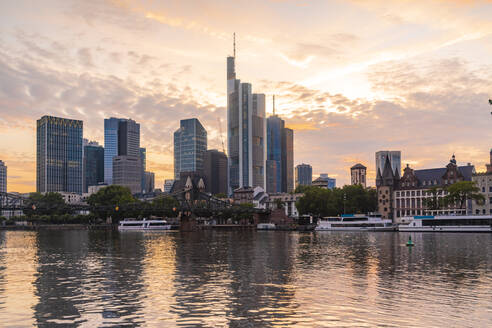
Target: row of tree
[
  {"x": 331, "y": 202},
  {"x": 457, "y": 195}
]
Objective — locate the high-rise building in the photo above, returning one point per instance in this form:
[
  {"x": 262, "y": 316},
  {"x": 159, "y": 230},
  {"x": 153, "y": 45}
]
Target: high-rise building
[
  {"x": 93, "y": 164},
  {"x": 149, "y": 182},
  {"x": 121, "y": 138},
  {"x": 168, "y": 185},
  {"x": 275, "y": 155},
  {"x": 215, "y": 172},
  {"x": 304, "y": 175},
  {"x": 287, "y": 160},
  {"x": 394, "y": 158},
  {"x": 143, "y": 159},
  {"x": 127, "y": 172},
  {"x": 190, "y": 145},
  {"x": 59, "y": 155},
  {"x": 3, "y": 177},
  {"x": 324, "y": 181},
  {"x": 358, "y": 175},
  {"x": 246, "y": 130}
]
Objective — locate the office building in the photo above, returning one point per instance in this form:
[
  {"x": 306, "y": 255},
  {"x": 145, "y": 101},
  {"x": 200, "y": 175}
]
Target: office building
[
  {"x": 93, "y": 164},
  {"x": 215, "y": 172},
  {"x": 324, "y": 181},
  {"x": 246, "y": 132},
  {"x": 190, "y": 145},
  {"x": 59, "y": 155},
  {"x": 127, "y": 171},
  {"x": 275, "y": 141},
  {"x": 394, "y": 158},
  {"x": 3, "y": 177},
  {"x": 287, "y": 160},
  {"x": 143, "y": 159},
  {"x": 304, "y": 175},
  {"x": 121, "y": 138},
  {"x": 358, "y": 175},
  {"x": 149, "y": 185},
  {"x": 168, "y": 185}
]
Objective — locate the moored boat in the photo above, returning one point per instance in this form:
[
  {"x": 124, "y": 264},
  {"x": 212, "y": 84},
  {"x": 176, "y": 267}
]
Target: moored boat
[
  {"x": 448, "y": 223},
  {"x": 354, "y": 222},
  {"x": 265, "y": 226},
  {"x": 144, "y": 225}
]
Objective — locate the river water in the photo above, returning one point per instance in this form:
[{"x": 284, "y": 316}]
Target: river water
[{"x": 244, "y": 279}]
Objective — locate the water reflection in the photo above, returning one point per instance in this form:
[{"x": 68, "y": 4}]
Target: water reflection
[{"x": 244, "y": 279}]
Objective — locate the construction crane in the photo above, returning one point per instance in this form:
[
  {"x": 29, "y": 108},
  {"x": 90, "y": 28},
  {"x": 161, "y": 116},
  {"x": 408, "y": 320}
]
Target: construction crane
[{"x": 221, "y": 136}]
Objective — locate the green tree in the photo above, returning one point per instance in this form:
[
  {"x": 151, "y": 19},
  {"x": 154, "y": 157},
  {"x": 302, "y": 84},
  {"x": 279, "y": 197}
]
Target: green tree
[
  {"x": 461, "y": 191},
  {"x": 165, "y": 206},
  {"x": 114, "y": 201},
  {"x": 434, "y": 202},
  {"x": 50, "y": 203},
  {"x": 220, "y": 195}
]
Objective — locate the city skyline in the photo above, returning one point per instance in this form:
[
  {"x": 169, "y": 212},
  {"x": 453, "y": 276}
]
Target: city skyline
[{"x": 345, "y": 93}]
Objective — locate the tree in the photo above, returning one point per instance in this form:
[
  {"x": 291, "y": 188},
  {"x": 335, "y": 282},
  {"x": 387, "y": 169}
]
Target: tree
[
  {"x": 220, "y": 195},
  {"x": 461, "y": 191},
  {"x": 434, "y": 202},
  {"x": 165, "y": 206},
  {"x": 50, "y": 203},
  {"x": 112, "y": 201}
]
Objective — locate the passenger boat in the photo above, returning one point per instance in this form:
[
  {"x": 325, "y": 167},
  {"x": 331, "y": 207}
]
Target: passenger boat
[
  {"x": 265, "y": 226},
  {"x": 448, "y": 223},
  {"x": 354, "y": 222},
  {"x": 143, "y": 225}
]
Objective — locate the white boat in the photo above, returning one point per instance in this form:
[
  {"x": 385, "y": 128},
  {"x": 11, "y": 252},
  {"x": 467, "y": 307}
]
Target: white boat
[
  {"x": 354, "y": 222},
  {"x": 143, "y": 225},
  {"x": 448, "y": 223},
  {"x": 265, "y": 226}
]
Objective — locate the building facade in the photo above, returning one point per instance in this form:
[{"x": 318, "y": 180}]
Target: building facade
[
  {"x": 324, "y": 181},
  {"x": 358, "y": 175},
  {"x": 246, "y": 133},
  {"x": 168, "y": 185},
  {"x": 483, "y": 181},
  {"x": 410, "y": 194},
  {"x": 394, "y": 157},
  {"x": 93, "y": 164},
  {"x": 275, "y": 128},
  {"x": 287, "y": 160},
  {"x": 3, "y": 177},
  {"x": 288, "y": 202},
  {"x": 304, "y": 175},
  {"x": 121, "y": 138},
  {"x": 127, "y": 172},
  {"x": 149, "y": 184},
  {"x": 215, "y": 172},
  {"x": 190, "y": 145},
  {"x": 59, "y": 155},
  {"x": 143, "y": 159}
]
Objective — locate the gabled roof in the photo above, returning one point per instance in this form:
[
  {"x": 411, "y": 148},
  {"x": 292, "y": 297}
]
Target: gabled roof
[{"x": 358, "y": 166}]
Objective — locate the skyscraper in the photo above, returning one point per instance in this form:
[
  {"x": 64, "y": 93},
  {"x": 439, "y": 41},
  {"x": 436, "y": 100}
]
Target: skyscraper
[
  {"x": 304, "y": 175},
  {"x": 149, "y": 185},
  {"x": 246, "y": 130},
  {"x": 121, "y": 137},
  {"x": 93, "y": 164},
  {"x": 275, "y": 145},
  {"x": 59, "y": 155},
  {"x": 143, "y": 159},
  {"x": 215, "y": 172},
  {"x": 3, "y": 177},
  {"x": 394, "y": 158},
  {"x": 127, "y": 172},
  {"x": 168, "y": 185},
  {"x": 287, "y": 160},
  {"x": 190, "y": 145}
]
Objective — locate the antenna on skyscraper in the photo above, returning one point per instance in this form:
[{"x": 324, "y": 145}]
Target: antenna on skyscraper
[{"x": 234, "y": 44}]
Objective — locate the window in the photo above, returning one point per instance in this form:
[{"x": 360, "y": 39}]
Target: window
[
  {"x": 413, "y": 193},
  {"x": 483, "y": 189},
  {"x": 477, "y": 211},
  {"x": 397, "y": 194},
  {"x": 490, "y": 189},
  {"x": 418, "y": 192}
]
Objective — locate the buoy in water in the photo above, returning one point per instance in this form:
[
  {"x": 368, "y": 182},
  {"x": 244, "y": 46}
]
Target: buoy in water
[{"x": 410, "y": 242}]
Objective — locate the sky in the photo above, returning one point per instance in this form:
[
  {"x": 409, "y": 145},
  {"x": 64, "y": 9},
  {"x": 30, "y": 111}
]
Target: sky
[{"x": 350, "y": 77}]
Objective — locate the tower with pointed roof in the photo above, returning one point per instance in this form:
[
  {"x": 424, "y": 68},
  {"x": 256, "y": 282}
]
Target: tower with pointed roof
[{"x": 386, "y": 182}]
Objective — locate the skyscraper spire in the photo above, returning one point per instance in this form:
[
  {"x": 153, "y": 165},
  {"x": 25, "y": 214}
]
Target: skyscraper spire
[{"x": 234, "y": 45}]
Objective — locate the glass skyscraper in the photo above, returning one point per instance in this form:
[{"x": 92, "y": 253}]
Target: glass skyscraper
[
  {"x": 3, "y": 177},
  {"x": 394, "y": 157},
  {"x": 190, "y": 145},
  {"x": 121, "y": 138},
  {"x": 246, "y": 130},
  {"x": 304, "y": 175},
  {"x": 93, "y": 164},
  {"x": 275, "y": 128},
  {"x": 59, "y": 155}
]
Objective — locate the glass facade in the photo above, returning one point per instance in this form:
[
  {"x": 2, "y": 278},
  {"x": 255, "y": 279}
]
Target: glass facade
[
  {"x": 59, "y": 155},
  {"x": 304, "y": 175},
  {"x": 275, "y": 127},
  {"x": 121, "y": 138},
  {"x": 93, "y": 165},
  {"x": 143, "y": 159},
  {"x": 394, "y": 157},
  {"x": 190, "y": 145},
  {"x": 3, "y": 177}
]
